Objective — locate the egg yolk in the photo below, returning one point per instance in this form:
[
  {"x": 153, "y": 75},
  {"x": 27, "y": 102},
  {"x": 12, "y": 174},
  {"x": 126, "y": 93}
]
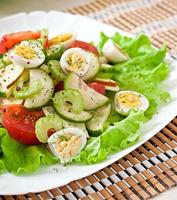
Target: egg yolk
[
  {"x": 68, "y": 145},
  {"x": 60, "y": 38},
  {"x": 75, "y": 62},
  {"x": 25, "y": 52},
  {"x": 129, "y": 100}
]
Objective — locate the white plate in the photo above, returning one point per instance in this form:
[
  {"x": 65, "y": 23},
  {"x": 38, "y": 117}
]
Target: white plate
[{"x": 88, "y": 30}]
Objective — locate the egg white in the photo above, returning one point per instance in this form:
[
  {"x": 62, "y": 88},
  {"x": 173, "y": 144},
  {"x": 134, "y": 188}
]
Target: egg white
[
  {"x": 125, "y": 110},
  {"x": 24, "y": 62},
  {"x": 113, "y": 52},
  {"x": 73, "y": 131},
  {"x": 66, "y": 67}
]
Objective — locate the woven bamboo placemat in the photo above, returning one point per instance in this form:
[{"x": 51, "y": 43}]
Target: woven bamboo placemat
[{"x": 152, "y": 168}]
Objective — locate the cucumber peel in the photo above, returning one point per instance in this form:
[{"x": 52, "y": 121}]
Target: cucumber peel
[
  {"x": 100, "y": 116},
  {"x": 55, "y": 69},
  {"x": 54, "y": 52},
  {"x": 44, "y": 36},
  {"x": 43, "y": 124},
  {"x": 69, "y": 105},
  {"x": 34, "y": 88},
  {"x": 45, "y": 94},
  {"x": 2, "y": 64}
]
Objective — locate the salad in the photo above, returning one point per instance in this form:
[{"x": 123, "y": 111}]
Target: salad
[{"x": 69, "y": 101}]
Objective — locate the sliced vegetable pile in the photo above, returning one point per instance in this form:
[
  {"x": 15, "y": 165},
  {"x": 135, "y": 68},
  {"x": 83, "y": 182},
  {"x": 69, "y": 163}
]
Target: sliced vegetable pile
[{"x": 65, "y": 100}]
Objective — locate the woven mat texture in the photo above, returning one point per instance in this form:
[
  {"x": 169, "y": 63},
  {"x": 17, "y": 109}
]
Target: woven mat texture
[{"x": 152, "y": 168}]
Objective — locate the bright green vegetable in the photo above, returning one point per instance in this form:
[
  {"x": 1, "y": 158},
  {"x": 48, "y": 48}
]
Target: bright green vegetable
[
  {"x": 55, "y": 69},
  {"x": 36, "y": 44},
  {"x": 2, "y": 65},
  {"x": 6, "y": 58},
  {"x": 49, "y": 111},
  {"x": 115, "y": 138},
  {"x": 2, "y": 167},
  {"x": 43, "y": 124},
  {"x": 18, "y": 158},
  {"x": 68, "y": 124},
  {"x": 45, "y": 68},
  {"x": 69, "y": 96},
  {"x": 69, "y": 104},
  {"x": 96, "y": 124},
  {"x": 137, "y": 46},
  {"x": 143, "y": 72},
  {"x": 8, "y": 76},
  {"x": 55, "y": 52},
  {"x": 106, "y": 67},
  {"x": 44, "y": 36},
  {"x": 33, "y": 89},
  {"x": 45, "y": 94}
]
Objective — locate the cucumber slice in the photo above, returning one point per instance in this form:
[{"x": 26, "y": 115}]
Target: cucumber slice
[
  {"x": 45, "y": 94},
  {"x": 5, "y": 101},
  {"x": 49, "y": 110},
  {"x": 44, "y": 36},
  {"x": 45, "y": 68},
  {"x": 92, "y": 99},
  {"x": 6, "y": 57},
  {"x": 36, "y": 44},
  {"x": 33, "y": 89},
  {"x": 54, "y": 52},
  {"x": 100, "y": 116},
  {"x": 55, "y": 69},
  {"x": 43, "y": 124},
  {"x": 69, "y": 105},
  {"x": 93, "y": 69},
  {"x": 8, "y": 77},
  {"x": 2, "y": 65},
  {"x": 68, "y": 124},
  {"x": 107, "y": 67}
]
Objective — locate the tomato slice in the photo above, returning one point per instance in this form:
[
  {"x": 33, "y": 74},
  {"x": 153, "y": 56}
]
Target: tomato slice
[
  {"x": 107, "y": 83},
  {"x": 20, "y": 123},
  {"x": 9, "y": 40},
  {"x": 97, "y": 87},
  {"x": 51, "y": 132},
  {"x": 86, "y": 46},
  {"x": 59, "y": 86}
]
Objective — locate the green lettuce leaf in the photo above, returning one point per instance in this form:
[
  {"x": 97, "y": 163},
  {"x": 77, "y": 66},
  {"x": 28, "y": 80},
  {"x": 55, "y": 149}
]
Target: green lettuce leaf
[
  {"x": 2, "y": 166},
  {"x": 121, "y": 135},
  {"x": 140, "y": 45},
  {"x": 143, "y": 72},
  {"x": 18, "y": 158}
]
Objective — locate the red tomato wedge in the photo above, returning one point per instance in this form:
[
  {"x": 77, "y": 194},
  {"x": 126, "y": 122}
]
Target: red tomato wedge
[
  {"x": 107, "y": 83},
  {"x": 51, "y": 132},
  {"x": 9, "y": 40},
  {"x": 86, "y": 46},
  {"x": 97, "y": 87},
  {"x": 20, "y": 123},
  {"x": 59, "y": 86}
]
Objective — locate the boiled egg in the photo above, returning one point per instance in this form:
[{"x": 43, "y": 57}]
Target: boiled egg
[
  {"x": 27, "y": 55},
  {"x": 67, "y": 143},
  {"x": 64, "y": 39},
  {"x": 75, "y": 60},
  {"x": 125, "y": 101},
  {"x": 113, "y": 52}
]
